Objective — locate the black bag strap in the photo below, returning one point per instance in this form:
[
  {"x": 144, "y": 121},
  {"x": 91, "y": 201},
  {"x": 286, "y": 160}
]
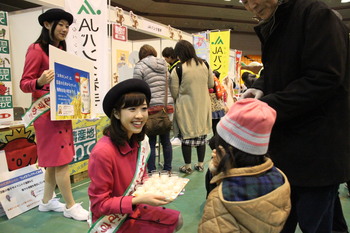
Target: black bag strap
[
  {"x": 166, "y": 92},
  {"x": 179, "y": 70}
]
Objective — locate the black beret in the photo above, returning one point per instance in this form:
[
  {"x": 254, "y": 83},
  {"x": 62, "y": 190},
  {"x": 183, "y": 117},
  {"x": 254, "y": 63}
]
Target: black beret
[
  {"x": 55, "y": 14},
  {"x": 127, "y": 86}
]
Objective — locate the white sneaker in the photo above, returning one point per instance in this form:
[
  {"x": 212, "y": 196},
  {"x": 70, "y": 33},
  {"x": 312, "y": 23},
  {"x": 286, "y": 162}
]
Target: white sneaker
[
  {"x": 76, "y": 212},
  {"x": 53, "y": 205},
  {"x": 175, "y": 141}
]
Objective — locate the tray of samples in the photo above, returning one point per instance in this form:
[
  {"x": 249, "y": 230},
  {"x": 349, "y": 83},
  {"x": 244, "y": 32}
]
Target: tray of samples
[{"x": 166, "y": 184}]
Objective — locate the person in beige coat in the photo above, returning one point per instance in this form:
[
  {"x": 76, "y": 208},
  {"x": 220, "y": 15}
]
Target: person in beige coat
[
  {"x": 192, "y": 117},
  {"x": 252, "y": 196}
]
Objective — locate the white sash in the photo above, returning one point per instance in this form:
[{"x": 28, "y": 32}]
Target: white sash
[
  {"x": 39, "y": 107},
  {"x": 111, "y": 223}
]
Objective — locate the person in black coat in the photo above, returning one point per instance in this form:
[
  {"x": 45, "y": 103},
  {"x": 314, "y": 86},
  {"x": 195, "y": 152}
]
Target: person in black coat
[
  {"x": 306, "y": 80},
  {"x": 168, "y": 54}
]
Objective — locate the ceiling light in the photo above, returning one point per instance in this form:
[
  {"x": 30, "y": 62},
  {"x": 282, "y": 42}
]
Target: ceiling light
[{"x": 345, "y": 1}]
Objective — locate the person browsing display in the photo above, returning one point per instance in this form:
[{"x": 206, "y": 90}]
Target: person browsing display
[
  {"x": 169, "y": 56},
  {"x": 192, "y": 117},
  {"x": 154, "y": 72}
]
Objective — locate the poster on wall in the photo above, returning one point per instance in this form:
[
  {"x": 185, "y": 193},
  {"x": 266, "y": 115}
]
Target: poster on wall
[
  {"x": 21, "y": 189},
  {"x": 6, "y": 101},
  {"x": 125, "y": 69},
  {"x": 71, "y": 91},
  {"x": 201, "y": 45}
]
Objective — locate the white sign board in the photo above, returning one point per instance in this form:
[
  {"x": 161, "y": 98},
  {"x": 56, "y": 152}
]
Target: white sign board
[
  {"x": 21, "y": 189},
  {"x": 70, "y": 91}
]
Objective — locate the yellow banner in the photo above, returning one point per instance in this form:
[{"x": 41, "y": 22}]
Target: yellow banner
[
  {"x": 78, "y": 167},
  {"x": 220, "y": 52}
]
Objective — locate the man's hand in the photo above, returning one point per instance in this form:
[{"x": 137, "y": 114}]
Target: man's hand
[{"x": 252, "y": 93}]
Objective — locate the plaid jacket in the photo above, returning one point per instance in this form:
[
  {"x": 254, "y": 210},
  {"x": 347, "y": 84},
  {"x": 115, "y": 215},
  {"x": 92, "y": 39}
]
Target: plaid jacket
[
  {"x": 242, "y": 188},
  {"x": 254, "y": 208}
]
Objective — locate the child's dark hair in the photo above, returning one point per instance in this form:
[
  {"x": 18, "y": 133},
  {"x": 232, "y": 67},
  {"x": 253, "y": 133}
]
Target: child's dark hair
[
  {"x": 44, "y": 39},
  {"x": 115, "y": 130},
  {"x": 216, "y": 73},
  {"x": 248, "y": 79},
  {"x": 169, "y": 52},
  {"x": 233, "y": 157}
]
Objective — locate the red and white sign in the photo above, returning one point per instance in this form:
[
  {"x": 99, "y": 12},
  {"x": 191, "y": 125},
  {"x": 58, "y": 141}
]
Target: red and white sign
[{"x": 120, "y": 32}]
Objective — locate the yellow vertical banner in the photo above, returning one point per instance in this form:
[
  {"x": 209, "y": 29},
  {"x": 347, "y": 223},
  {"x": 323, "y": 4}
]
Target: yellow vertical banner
[{"x": 220, "y": 52}]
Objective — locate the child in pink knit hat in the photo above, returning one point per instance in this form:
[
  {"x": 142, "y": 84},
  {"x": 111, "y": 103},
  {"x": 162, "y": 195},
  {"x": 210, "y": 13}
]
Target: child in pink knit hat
[{"x": 252, "y": 195}]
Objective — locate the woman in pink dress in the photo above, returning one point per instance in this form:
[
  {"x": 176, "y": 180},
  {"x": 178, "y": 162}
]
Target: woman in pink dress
[
  {"x": 118, "y": 163},
  {"x": 54, "y": 138}
]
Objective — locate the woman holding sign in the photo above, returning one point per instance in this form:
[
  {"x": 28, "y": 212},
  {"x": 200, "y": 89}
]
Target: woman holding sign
[
  {"x": 117, "y": 165},
  {"x": 54, "y": 138}
]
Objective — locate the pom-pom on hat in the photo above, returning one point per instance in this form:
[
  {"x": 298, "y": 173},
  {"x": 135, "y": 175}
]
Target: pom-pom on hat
[
  {"x": 247, "y": 126},
  {"x": 55, "y": 14},
  {"x": 127, "y": 86}
]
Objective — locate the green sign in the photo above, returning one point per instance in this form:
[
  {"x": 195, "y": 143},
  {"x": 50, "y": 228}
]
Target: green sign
[
  {"x": 5, "y": 74},
  {"x": 6, "y": 102},
  {"x": 4, "y": 46},
  {"x": 87, "y": 9},
  {"x": 3, "y": 18}
]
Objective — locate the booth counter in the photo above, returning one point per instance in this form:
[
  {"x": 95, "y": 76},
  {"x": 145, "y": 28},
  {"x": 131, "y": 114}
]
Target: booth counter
[{"x": 20, "y": 146}]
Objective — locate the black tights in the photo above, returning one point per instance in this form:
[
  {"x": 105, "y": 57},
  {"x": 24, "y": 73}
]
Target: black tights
[
  {"x": 187, "y": 153},
  {"x": 213, "y": 125}
]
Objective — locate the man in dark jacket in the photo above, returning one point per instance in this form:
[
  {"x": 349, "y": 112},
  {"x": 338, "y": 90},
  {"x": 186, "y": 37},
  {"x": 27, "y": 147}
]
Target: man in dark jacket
[
  {"x": 169, "y": 56},
  {"x": 305, "y": 53}
]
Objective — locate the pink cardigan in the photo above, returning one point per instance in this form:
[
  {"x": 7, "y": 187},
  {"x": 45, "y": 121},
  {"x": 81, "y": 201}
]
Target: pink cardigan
[
  {"x": 111, "y": 170},
  {"x": 36, "y": 62},
  {"x": 54, "y": 138}
]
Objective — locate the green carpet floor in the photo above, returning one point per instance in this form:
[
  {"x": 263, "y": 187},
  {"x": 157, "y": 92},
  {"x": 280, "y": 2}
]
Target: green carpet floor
[{"x": 190, "y": 204}]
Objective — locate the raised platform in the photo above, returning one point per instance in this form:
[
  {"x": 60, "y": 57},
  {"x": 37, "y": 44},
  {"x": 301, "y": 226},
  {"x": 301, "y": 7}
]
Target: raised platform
[{"x": 79, "y": 177}]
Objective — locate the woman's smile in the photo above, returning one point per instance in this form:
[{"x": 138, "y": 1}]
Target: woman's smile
[{"x": 134, "y": 118}]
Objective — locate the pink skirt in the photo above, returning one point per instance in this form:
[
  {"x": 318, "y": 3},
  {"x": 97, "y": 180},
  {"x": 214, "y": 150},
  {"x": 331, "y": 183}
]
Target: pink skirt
[
  {"x": 54, "y": 140},
  {"x": 153, "y": 219}
]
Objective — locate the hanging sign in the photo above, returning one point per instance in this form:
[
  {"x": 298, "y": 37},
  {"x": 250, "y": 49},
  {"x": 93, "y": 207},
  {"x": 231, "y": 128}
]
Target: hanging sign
[
  {"x": 220, "y": 52},
  {"x": 120, "y": 32},
  {"x": 88, "y": 38}
]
